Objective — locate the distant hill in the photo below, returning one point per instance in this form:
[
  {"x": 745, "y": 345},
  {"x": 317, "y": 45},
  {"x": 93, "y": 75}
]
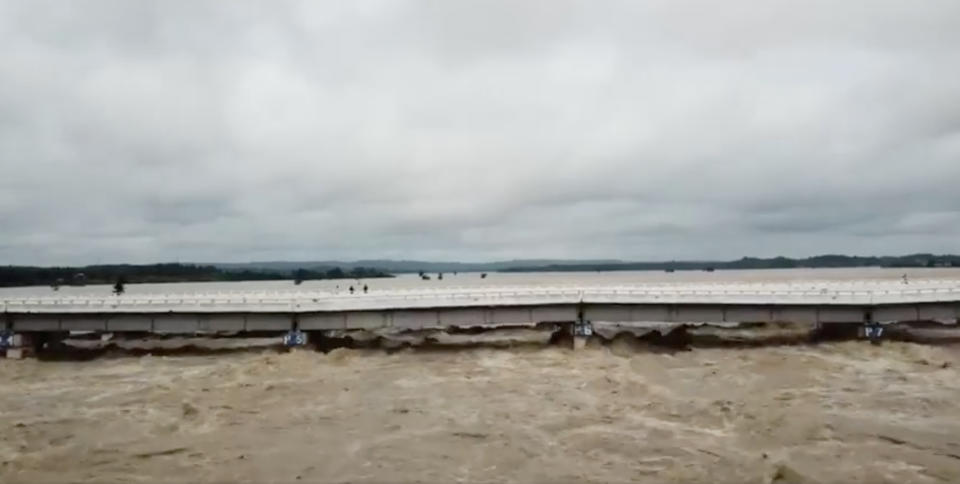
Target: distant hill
[
  {"x": 820, "y": 261},
  {"x": 543, "y": 265}
]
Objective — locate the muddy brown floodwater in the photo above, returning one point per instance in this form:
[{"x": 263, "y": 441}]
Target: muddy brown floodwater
[{"x": 838, "y": 412}]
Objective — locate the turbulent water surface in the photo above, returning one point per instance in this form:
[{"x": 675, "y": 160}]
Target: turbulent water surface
[{"x": 838, "y": 412}]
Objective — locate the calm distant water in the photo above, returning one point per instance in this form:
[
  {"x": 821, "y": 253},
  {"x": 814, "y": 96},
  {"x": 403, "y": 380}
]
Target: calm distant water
[{"x": 412, "y": 281}]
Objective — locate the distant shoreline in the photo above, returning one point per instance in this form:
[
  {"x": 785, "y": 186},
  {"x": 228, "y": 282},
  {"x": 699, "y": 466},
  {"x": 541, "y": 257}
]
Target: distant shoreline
[
  {"x": 21, "y": 276},
  {"x": 817, "y": 262}
]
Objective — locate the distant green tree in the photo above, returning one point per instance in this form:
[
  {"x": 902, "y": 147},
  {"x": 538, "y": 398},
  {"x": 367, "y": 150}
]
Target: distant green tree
[
  {"x": 118, "y": 288},
  {"x": 298, "y": 276}
]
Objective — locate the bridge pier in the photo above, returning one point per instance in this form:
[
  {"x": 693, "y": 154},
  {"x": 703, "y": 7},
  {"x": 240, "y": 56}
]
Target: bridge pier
[
  {"x": 872, "y": 329},
  {"x": 17, "y": 346},
  {"x": 581, "y": 331},
  {"x": 295, "y": 337}
]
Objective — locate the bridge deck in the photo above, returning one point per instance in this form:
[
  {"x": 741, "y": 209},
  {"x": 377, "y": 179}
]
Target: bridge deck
[{"x": 859, "y": 293}]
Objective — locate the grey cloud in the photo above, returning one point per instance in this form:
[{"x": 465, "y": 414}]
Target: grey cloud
[{"x": 148, "y": 131}]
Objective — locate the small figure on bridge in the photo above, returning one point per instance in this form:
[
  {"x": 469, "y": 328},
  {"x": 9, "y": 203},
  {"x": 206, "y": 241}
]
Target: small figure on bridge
[
  {"x": 365, "y": 288},
  {"x": 905, "y": 281},
  {"x": 351, "y": 289},
  {"x": 118, "y": 288}
]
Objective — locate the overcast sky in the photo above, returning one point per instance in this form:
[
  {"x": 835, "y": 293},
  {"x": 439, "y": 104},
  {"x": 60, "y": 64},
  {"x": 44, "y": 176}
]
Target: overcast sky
[{"x": 139, "y": 131}]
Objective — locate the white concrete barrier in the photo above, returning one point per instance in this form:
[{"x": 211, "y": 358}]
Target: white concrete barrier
[{"x": 763, "y": 294}]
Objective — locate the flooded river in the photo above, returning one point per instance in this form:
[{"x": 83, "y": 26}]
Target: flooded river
[{"x": 834, "y": 412}]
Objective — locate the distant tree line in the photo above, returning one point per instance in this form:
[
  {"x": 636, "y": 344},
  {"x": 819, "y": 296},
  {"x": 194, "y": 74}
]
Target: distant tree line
[
  {"x": 173, "y": 272},
  {"x": 338, "y": 273},
  {"x": 820, "y": 261}
]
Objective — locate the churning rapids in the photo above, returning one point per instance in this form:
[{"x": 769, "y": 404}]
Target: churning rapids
[{"x": 831, "y": 412}]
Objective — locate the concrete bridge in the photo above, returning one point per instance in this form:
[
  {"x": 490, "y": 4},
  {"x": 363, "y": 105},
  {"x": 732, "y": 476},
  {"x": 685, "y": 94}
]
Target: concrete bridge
[{"x": 810, "y": 302}]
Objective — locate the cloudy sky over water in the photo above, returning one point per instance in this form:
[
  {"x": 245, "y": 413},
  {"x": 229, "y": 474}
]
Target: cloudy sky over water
[{"x": 476, "y": 130}]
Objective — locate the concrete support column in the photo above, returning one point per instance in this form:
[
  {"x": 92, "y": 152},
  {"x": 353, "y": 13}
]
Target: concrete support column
[
  {"x": 579, "y": 342},
  {"x": 872, "y": 329},
  {"x": 581, "y": 332},
  {"x": 17, "y": 345}
]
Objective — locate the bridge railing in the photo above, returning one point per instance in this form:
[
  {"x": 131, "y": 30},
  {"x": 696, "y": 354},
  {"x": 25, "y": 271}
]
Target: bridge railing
[{"x": 741, "y": 293}]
